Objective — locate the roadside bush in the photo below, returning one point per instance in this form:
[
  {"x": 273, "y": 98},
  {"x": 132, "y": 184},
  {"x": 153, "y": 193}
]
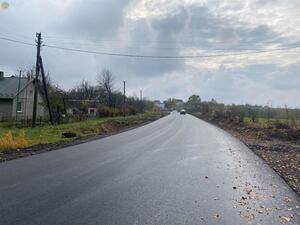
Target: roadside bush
[
  {"x": 155, "y": 110},
  {"x": 280, "y": 125},
  {"x": 295, "y": 134},
  {"x": 131, "y": 111},
  {"x": 21, "y": 140},
  {"x": 105, "y": 111},
  {"x": 8, "y": 142},
  {"x": 293, "y": 124}
]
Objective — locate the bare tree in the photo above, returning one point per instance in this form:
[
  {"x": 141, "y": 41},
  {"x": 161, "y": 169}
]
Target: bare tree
[
  {"x": 85, "y": 91},
  {"x": 106, "y": 81}
]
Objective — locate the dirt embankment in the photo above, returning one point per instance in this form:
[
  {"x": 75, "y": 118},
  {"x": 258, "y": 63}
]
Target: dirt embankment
[{"x": 280, "y": 151}]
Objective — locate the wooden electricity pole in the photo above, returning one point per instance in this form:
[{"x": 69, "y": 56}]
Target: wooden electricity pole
[
  {"x": 45, "y": 89},
  {"x": 17, "y": 102},
  {"x": 37, "y": 72},
  {"x": 124, "y": 99}
]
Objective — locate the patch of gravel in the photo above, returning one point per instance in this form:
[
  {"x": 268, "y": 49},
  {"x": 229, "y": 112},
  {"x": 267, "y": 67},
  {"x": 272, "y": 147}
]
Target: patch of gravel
[{"x": 282, "y": 156}]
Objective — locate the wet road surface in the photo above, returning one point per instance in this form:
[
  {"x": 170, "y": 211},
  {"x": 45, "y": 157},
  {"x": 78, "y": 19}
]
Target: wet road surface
[{"x": 177, "y": 170}]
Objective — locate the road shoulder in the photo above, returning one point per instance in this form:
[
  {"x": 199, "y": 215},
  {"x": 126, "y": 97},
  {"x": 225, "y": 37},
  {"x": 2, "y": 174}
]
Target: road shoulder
[
  {"x": 107, "y": 128},
  {"x": 281, "y": 156}
]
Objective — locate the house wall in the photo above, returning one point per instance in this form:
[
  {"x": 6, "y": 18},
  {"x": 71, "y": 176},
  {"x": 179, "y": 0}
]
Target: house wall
[
  {"x": 26, "y": 97},
  {"x": 5, "y": 108}
]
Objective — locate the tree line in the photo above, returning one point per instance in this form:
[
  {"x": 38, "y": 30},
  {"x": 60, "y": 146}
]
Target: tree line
[
  {"x": 220, "y": 110},
  {"x": 102, "y": 96}
]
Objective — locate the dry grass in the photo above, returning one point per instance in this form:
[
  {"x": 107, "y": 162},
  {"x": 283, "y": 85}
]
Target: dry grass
[
  {"x": 13, "y": 138},
  {"x": 8, "y": 142}
]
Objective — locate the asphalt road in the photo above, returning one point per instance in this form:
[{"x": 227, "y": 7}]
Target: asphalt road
[{"x": 177, "y": 170}]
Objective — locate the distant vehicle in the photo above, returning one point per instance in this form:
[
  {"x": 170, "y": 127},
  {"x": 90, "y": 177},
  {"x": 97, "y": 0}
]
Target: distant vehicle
[{"x": 182, "y": 112}]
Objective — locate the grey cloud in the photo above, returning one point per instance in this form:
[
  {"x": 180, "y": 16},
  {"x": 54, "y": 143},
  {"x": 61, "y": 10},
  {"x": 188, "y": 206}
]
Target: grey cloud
[
  {"x": 94, "y": 18},
  {"x": 259, "y": 34},
  {"x": 271, "y": 75},
  {"x": 154, "y": 38},
  {"x": 256, "y": 73},
  {"x": 205, "y": 26},
  {"x": 171, "y": 24},
  {"x": 285, "y": 78},
  {"x": 16, "y": 56},
  {"x": 265, "y": 2}
]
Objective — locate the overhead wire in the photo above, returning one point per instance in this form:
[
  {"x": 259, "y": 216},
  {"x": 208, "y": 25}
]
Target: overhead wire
[
  {"x": 194, "y": 40},
  {"x": 166, "y": 56},
  {"x": 16, "y": 41},
  {"x": 248, "y": 51},
  {"x": 147, "y": 48}
]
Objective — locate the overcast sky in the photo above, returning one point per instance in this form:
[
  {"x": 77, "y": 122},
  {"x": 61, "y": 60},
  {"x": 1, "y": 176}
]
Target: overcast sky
[{"x": 164, "y": 28}]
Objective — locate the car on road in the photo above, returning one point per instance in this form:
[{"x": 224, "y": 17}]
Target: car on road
[{"x": 182, "y": 112}]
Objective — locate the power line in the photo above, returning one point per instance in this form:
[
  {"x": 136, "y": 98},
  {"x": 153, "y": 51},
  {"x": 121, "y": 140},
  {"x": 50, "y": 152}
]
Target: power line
[
  {"x": 152, "y": 56},
  {"x": 167, "y": 56},
  {"x": 96, "y": 40},
  {"x": 164, "y": 45},
  {"x": 107, "y": 43},
  {"x": 11, "y": 31},
  {"x": 17, "y": 41},
  {"x": 175, "y": 46}
]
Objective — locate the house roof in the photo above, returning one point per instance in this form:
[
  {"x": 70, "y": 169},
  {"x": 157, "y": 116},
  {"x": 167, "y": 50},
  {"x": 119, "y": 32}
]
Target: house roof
[{"x": 9, "y": 86}]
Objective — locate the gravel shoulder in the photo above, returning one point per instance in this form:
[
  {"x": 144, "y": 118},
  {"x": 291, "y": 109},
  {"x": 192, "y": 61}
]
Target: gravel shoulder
[{"x": 282, "y": 156}]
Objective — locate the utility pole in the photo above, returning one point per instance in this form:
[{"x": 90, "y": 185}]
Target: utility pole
[
  {"x": 124, "y": 99},
  {"x": 17, "y": 102},
  {"x": 37, "y": 72},
  {"x": 141, "y": 95},
  {"x": 45, "y": 89}
]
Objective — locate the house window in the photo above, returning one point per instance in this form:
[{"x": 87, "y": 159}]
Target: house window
[{"x": 19, "y": 106}]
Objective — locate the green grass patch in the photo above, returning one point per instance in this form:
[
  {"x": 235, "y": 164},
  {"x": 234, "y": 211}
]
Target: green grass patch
[
  {"x": 264, "y": 122},
  {"x": 53, "y": 133},
  {"x": 283, "y": 129}
]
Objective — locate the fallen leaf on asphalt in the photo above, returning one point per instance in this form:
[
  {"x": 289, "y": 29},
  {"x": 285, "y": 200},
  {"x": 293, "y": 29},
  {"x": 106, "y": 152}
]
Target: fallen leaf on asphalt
[
  {"x": 285, "y": 219},
  {"x": 248, "y": 190},
  {"x": 217, "y": 215}
]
